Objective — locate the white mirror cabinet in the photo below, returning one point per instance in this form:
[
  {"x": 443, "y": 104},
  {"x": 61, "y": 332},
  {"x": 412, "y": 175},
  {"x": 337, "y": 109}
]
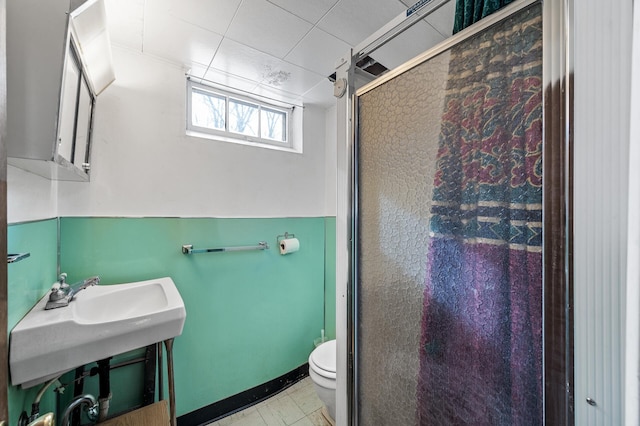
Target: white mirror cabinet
[{"x": 52, "y": 86}]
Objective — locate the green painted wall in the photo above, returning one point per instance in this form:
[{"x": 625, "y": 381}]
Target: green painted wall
[
  {"x": 251, "y": 316},
  {"x": 29, "y": 280}
]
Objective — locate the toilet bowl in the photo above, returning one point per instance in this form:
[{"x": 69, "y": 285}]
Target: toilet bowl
[{"x": 322, "y": 370}]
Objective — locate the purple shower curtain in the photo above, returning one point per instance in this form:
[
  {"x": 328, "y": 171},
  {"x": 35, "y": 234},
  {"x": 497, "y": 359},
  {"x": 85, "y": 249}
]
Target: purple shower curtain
[{"x": 481, "y": 348}]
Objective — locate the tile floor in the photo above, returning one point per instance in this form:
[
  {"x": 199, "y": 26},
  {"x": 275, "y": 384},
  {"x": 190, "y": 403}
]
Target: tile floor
[{"x": 297, "y": 405}]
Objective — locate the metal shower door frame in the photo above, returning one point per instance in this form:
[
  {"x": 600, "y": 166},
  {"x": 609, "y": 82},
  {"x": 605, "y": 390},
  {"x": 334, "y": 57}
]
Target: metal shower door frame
[{"x": 558, "y": 381}]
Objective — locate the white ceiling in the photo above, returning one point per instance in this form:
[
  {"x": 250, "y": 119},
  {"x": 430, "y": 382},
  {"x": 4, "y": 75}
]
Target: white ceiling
[{"x": 284, "y": 49}]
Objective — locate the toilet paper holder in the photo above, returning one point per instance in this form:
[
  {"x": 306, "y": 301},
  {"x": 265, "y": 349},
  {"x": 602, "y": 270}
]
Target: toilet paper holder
[
  {"x": 284, "y": 237},
  {"x": 288, "y": 243}
]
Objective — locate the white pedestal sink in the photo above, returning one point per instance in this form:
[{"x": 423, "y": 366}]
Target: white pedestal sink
[{"x": 102, "y": 321}]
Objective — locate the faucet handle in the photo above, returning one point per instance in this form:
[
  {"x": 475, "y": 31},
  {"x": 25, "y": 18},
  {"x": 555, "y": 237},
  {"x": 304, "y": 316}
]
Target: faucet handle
[
  {"x": 62, "y": 278},
  {"x": 57, "y": 292}
]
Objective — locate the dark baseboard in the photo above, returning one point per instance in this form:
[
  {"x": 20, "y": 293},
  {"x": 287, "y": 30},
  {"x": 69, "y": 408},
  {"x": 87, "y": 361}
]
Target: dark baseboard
[{"x": 238, "y": 402}]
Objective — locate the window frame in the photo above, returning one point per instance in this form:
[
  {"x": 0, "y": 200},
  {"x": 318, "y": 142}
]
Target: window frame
[{"x": 230, "y": 136}]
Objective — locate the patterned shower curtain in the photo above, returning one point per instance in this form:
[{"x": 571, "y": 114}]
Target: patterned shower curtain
[
  {"x": 481, "y": 348},
  {"x": 471, "y": 11}
]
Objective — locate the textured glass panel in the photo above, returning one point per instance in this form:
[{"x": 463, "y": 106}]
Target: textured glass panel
[
  {"x": 449, "y": 248},
  {"x": 400, "y": 122}
]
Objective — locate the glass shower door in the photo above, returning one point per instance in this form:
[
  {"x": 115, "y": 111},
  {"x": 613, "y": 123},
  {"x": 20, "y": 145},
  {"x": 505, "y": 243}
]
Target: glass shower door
[{"x": 448, "y": 281}]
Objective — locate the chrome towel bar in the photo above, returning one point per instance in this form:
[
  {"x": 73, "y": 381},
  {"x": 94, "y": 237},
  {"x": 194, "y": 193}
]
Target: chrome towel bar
[
  {"x": 17, "y": 257},
  {"x": 188, "y": 248}
]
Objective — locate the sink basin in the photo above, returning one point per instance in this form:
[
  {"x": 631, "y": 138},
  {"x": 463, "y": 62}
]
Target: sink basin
[
  {"x": 117, "y": 302},
  {"x": 101, "y": 321}
]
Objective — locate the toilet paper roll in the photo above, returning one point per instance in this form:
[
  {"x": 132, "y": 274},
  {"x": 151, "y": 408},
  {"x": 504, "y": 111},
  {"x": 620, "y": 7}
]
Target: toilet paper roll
[{"x": 289, "y": 245}]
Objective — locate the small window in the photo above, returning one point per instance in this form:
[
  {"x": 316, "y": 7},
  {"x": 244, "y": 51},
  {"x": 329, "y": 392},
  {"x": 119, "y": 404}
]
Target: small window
[{"x": 231, "y": 117}]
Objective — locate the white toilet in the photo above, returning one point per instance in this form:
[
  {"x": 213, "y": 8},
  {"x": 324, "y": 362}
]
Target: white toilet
[{"x": 322, "y": 370}]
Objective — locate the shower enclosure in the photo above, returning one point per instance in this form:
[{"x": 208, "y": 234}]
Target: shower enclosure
[{"x": 457, "y": 297}]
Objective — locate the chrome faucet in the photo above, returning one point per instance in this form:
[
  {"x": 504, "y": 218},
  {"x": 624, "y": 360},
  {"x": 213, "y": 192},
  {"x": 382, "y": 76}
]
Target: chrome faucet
[{"x": 63, "y": 293}]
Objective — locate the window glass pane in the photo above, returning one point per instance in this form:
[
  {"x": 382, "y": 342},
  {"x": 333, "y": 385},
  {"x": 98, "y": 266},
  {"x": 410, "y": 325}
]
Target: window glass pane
[
  {"x": 273, "y": 125},
  {"x": 85, "y": 107},
  {"x": 207, "y": 110},
  {"x": 70, "y": 87},
  {"x": 243, "y": 117}
]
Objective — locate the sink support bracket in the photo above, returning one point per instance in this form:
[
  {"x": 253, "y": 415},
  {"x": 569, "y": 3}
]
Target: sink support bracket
[{"x": 172, "y": 395}]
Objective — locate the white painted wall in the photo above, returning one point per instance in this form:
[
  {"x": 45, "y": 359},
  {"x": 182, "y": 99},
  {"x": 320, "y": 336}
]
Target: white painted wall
[
  {"x": 30, "y": 197},
  {"x": 602, "y": 59},
  {"x": 632, "y": 353},
  {"x": 145, "y": 165},
  {"x": 331, "y": 156}
]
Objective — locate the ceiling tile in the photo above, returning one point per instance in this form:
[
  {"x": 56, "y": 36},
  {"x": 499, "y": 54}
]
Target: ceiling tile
[
  {"x": 197, "y": 72},
  {"x": 442, "y": 19},
  {"x": 354, "y": 20},
  {"x": 243, "y": 61},
  {"x": 285, "y": 76},
  {"x": 321, "y": 94},
  {"x": 310, "y": 11},
  {"x": 407, "y": 45},
  {"x": 269, "y": 93},
  {"x": 213, "y": 15},
  {"x": 237, "y": 59},
  {"x": 125, "y": 19},
  {"x": 248, "y": 39},
  {"x": 318, "y": 52},
  {"x": 184, "y": 44},
  {"x": 228, "y": 81},
  {"x": 267, "y": 27}
]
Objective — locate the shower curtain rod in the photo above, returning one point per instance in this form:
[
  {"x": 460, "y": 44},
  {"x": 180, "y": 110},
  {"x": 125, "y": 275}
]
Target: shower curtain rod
[{"x": 397, "y": 26}]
